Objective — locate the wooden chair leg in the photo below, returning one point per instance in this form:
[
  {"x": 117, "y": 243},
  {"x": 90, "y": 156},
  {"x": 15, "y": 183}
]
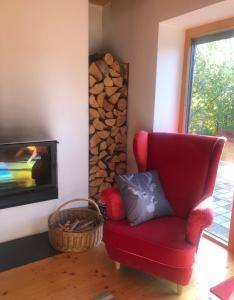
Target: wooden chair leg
[
  {"x": 179, "y": 289},
  {"x": 117, "y": 265}
]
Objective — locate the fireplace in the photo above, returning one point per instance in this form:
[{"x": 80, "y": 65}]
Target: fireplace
[{"x": 28, "y": 172}]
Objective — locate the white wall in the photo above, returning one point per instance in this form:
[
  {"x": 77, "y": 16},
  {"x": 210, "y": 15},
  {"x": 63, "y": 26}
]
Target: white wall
[
  {"x": 170, "y": 55},
  {"x": 95, "y": 28},
  {"x": 130, "y": 31},
  {"x": 44, "y": 94},
  {"x": 168, "y": 77}
]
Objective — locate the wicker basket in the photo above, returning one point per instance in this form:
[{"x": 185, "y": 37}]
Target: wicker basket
[{"x": 75, "y": 241}]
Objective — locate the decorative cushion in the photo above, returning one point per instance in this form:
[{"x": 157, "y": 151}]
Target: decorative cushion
[
  {"x": 143, "y": 197},
  {"x": 114, "y": 204}
]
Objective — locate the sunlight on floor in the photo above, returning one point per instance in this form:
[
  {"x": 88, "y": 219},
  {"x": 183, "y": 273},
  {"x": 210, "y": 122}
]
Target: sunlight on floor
[{"x": 211, "y": 268}]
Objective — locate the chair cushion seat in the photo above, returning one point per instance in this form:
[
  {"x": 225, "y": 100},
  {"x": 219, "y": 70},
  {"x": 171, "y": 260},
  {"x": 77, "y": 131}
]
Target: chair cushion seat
[{"x": 161, "y": 240}]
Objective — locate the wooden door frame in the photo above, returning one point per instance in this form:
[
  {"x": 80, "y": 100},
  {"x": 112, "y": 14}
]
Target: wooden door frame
[
  {"x": 231, "y": 232},
  {"x": 190, "y": 34}
]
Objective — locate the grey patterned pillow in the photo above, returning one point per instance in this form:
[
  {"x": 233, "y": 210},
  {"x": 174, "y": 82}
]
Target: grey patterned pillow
[{"x": 143, "y": 197}]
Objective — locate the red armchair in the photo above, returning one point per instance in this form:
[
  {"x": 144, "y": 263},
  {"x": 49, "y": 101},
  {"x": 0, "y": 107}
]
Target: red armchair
[{"x": 187, "y": 166}]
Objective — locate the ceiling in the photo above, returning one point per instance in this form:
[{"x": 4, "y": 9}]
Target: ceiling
[{"x": 99, "y": 2}]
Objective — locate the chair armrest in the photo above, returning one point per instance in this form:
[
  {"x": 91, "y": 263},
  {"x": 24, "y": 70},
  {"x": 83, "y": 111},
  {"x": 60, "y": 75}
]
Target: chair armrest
[
  {"x": 114, "y": 204},
  {"x": 200, "y": 217}
]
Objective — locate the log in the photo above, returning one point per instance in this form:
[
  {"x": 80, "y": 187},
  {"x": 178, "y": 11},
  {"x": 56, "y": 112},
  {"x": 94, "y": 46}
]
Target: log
[
  {"x": 114, "y": 131},
  {"x": 94, "y": 150},
  {"x": 91, "y": 129},
  {"x": 101, "y": 173},
  {"x": 114, "y": 98},
  {"x": 95, "y": 72},
  {"x": 110, "y": 90},
  {"x": 92, "y": 177},
  {"x": 95, "y": 140},
  {"x": 123, "y": 130},
  {"x": 118, "y": 81},
  {"x": 103, "y": 134},
  {"x": 94, "y": 160},
  {"x": 92, "y": 81},
  {"x": 124, "y": 113},
  {"x": 123, "y": 156},
  {"x": 93, "y": 113},
  {"x": 109, "y": 115},
  {"x": 112, "y": 174},
  {"x": 120, "y": 147},
  {"x": 122, "y": 104},
  {"x": 99, "y": 125},
  {"x": 100, "y": 99},
  {"x": 65, "y": 226},
  {"x": 120, "y": 121},
  {"x": 93, "y": 170},
  {"x": 92, "y": 101},
  {"x": 103, "y": 67},
  {"x": 124, "y": 68},
  {"x": 116, "y": 66},
  {"x": 101, "y": 113},
  {"x": 101, "y": 164},
  {"x": 115, "y": 159},
  {"x": 110, "y": 122},
  {"x": 111, "y": 166},
  {"x": 108, "y": 58},
  {"x": 109, "y": 179},
  {"x": 113, "y": 73},
  {"x": 121, "y": 168},
  {"x": 74, "y": 225},
  {"x": 102, "y": 154},
  {"x": 92, "y": 191},
  {"x": 118, "y": 138},
  {"x": 107, "y": 106},
  {"x": 124, "y": 90},
  {"x": 120, "y": 171},
  {"x": 108, "y": 81},
  {"x": 109, "y": 141},
  {"x": 111, "y": 149},
  {"x": 85, "y": 225},
  {"x": 96, "y": 182},
  {"x": 103, "y": 145},
  {"x": 97, "y": 88},
  {"x": 104, "y": 186},
  {"x": 118, "y": 113},
  {"x": 124, "y": 139}
]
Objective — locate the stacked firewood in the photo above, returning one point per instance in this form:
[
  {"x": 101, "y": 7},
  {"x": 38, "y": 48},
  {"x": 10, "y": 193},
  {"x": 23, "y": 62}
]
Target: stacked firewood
[
  {"x": 79, "y": 225},
  {"x": 108, "y": 83}
]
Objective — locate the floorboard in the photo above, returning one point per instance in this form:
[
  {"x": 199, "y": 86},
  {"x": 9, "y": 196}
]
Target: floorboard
[{"x": 85, "y": 276}]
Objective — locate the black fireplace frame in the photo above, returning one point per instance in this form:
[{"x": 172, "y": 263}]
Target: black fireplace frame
[{"x": 34, "y": 194}]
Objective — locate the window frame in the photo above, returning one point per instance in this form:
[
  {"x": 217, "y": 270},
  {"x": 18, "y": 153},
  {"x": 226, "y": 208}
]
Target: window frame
[
  {"x": 190, "y": 34},
  {"x": 211, "y": 37},
  {"x": 200, "y": 32}
]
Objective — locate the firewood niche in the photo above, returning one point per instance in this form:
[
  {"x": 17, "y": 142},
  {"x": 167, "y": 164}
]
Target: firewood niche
[{"x": 108, "y": 92}]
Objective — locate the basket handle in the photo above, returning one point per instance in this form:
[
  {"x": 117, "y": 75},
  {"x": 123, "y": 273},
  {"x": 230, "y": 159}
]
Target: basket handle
[{"x": 72, "y": 201}]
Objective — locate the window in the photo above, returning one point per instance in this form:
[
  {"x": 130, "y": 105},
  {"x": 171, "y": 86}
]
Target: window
[{"x": 207, "y": 107}]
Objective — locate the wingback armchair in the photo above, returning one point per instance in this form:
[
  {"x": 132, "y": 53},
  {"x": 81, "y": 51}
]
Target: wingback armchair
[{"x": 187, "y": 167}]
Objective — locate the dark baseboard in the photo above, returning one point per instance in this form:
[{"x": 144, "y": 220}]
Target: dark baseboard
[{"x": 25, "y": 250}]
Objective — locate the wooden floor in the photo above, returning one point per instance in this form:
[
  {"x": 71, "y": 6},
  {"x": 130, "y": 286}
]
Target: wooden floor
[{"x": 84, "y": 276}]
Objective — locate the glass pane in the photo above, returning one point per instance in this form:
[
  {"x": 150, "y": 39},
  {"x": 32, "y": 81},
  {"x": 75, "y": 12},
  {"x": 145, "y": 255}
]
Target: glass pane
[
  {"x": 212, "y": 113},
  {"x": 24, "y": 167}
]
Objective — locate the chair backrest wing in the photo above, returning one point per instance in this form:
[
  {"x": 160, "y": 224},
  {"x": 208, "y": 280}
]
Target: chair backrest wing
[{"x": 187, "y": 165}]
